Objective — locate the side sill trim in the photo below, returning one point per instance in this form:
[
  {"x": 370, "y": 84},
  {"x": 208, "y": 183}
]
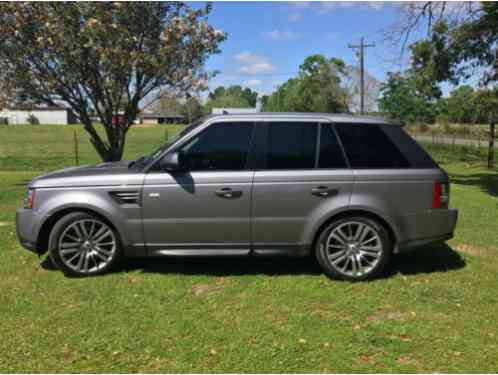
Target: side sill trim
[{"x": 198, "y": 252}]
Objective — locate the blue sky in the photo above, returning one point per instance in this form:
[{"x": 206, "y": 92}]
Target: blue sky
[{"x": 268, "y": 40}]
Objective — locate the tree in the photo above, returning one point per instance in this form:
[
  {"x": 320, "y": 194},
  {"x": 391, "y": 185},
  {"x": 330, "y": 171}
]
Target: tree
[
  {"x": 233, "y": 96},
  {"x": 317, "y": 88},
  {"x": 168, "y": 104},
  {"x": 468, "y": 44},
  {"x": 99, "y": 56},
  {"x": 487, "y": 110},
  {"x": 401, "y": 100},
  {"x": 192, "y": 109},
  {"x": 351, "y": 83},
  {"x": 250, "y": 96},
  {"x": 461, "y": 105}
]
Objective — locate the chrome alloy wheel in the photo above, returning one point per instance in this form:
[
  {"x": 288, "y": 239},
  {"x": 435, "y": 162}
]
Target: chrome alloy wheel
[
  {"x": 353, "y": 248},
  {"x": 87, "y": 246}
]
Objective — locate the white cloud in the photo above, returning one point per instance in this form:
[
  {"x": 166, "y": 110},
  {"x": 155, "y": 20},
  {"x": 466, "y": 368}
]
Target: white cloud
[
  {"x": 329, "y": 6},
  {"x": 280, "y": 35},
  {"x": 253, "y": 63},
  {"x": 300, "y": 4},
  {"x": 253, "y": 82},
  {"x": 377, "y": 5},
  {"x": 294, "y": 17},
  {"x": 298, "y": 8}
]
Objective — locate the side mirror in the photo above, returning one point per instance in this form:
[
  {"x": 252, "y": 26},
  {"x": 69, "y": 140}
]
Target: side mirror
[{"x": 171, "y": 162}]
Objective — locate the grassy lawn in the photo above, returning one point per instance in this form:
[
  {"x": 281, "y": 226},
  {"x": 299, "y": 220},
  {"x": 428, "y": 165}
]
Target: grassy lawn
[{"x": 433, "y": 311}]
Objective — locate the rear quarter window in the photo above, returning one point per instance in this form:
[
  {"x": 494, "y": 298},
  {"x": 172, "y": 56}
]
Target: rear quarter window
[
  {"x": 368, "y": 146},
  {"x": 416, "y": 155}
]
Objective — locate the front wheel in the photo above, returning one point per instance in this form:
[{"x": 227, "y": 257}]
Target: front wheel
[
  {"x": 83, "y": 245},
  {"x": 353, "y": 248}
]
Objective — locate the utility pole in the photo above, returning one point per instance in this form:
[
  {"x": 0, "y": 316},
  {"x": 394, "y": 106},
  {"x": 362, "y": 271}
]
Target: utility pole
[
  {"x": 277, "y": 91},
  {"x": 361, "y": 47}
]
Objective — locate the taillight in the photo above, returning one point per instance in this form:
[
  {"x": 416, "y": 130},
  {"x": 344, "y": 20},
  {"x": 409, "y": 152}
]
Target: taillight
[
  {"x": 441, "y": 195},
  {"x": 29, "y": 199}
]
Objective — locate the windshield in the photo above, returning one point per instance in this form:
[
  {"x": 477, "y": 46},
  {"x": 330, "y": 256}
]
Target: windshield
[{"x": 139, "y": 163}]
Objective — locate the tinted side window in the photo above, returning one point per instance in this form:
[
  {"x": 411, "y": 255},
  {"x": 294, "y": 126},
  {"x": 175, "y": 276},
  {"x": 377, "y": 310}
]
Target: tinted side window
[
  {"x": 291, "y": 145},
  {"x": 417, "y": 156},
  {"x": 367, "y": 146},
  {"x": 331, "y": 155},
  {"x": 222, "y": 146}
]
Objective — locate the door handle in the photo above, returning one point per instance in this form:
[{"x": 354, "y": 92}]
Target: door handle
[
  {"x": 228, "y": 193},
  {"x": 324, "y": 191}
]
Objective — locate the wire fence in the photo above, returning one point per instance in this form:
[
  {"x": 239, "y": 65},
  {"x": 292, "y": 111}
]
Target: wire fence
[{"x": 454, "y": 139}]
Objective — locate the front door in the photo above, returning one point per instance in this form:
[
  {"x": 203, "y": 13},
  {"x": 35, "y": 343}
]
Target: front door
[{"x": 206, "y": 208}]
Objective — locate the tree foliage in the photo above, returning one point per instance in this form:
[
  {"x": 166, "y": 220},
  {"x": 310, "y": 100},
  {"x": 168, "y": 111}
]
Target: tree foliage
[
  {"x": 317, "y": 88},
  {"x": 401, "y": 99},
  {"x": 461, "y": 105},
  {"x": 192, "y": 109},
  {"x": 231, "y": 97},
  {"x": 97, "y": 56}
]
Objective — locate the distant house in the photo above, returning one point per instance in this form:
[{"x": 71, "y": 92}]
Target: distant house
[
  {"x": 56, "y": 115},
  {"x": 233, "y": 111},
  {"x": 162, "y": 117}
]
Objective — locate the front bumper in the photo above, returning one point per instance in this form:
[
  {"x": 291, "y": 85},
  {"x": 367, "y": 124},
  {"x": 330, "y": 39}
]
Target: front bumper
[{"x": 27, "y": 228}]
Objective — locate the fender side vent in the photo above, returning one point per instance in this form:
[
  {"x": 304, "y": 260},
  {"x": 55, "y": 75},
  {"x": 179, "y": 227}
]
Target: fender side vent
[{"x": 126, "y": 197}]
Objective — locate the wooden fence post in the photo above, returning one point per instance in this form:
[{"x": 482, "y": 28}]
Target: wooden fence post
[
  {"x": 76, "y": 155},
  {"x": 491, "y": 151}
]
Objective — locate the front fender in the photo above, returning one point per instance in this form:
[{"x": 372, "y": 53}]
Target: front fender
[{"x": 125, "y": 218}]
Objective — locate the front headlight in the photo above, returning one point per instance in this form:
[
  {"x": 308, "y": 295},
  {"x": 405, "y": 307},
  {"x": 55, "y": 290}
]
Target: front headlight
[{"x": 29, "y": 198}]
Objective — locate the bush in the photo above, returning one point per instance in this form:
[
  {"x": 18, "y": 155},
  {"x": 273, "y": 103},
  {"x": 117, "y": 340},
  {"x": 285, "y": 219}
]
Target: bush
[
  {"x": 447, "y": 129},
  {"x": 33, "y": 120},
  {"x": 443, "y": 119},
  {"x": 423, "y": 127}
]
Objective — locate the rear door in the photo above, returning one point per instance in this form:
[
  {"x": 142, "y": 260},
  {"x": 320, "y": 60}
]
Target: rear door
[{"x": 301, "y": 177}]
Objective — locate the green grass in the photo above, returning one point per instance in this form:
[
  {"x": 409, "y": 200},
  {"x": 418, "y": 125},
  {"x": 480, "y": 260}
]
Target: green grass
[{"x": 433, "y": 311}]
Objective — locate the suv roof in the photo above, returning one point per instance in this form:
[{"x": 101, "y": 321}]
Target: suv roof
[{"x": 342, "y": 118}]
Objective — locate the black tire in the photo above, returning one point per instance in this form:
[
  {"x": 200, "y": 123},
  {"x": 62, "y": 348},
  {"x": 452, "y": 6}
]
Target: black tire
[
  {"x": 372, "y": 261},
  {"x": 114, "y": 253}
]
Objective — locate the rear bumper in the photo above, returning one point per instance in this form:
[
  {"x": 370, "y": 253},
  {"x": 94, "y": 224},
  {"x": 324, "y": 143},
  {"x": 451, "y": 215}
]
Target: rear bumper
[
  {"x": 429, "y": 228},
  {"x": 416, "y": 244},
  {"x": 27, "y": 227}
]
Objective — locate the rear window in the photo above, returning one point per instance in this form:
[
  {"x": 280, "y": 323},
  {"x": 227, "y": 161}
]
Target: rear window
[{"x": 368, "y": 146}]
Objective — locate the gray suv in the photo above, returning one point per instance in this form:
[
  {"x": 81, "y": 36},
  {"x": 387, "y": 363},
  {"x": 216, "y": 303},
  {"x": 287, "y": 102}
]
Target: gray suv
[{"x": 349, "y": 190}]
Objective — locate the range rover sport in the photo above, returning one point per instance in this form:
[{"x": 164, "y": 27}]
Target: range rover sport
[{"x": 349, "y": 190}]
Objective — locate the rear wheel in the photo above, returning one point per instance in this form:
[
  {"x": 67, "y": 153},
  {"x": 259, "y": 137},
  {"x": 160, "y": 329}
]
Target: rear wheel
[
  {"x": 84, "y": 245},
  {"x": 353, "y": 248}
]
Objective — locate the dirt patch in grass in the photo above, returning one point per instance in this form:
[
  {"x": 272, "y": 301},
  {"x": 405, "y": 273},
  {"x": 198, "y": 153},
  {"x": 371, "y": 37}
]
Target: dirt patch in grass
[
  {"x": 390, "y": 315},
  {"x": 472, "y": 250},
  {"x": 200, "y": 290}
]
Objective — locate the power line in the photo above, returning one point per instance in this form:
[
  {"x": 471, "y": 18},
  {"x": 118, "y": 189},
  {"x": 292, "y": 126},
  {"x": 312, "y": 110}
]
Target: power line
[{"x": 361, "y": 47}]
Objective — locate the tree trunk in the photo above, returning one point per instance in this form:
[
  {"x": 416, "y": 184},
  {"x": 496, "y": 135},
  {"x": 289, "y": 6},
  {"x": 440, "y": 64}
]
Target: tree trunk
[
  {"x": 113, "y": 149},
  {"x": 491, "y": 151},
  {"x": 100, "y": 146}
]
